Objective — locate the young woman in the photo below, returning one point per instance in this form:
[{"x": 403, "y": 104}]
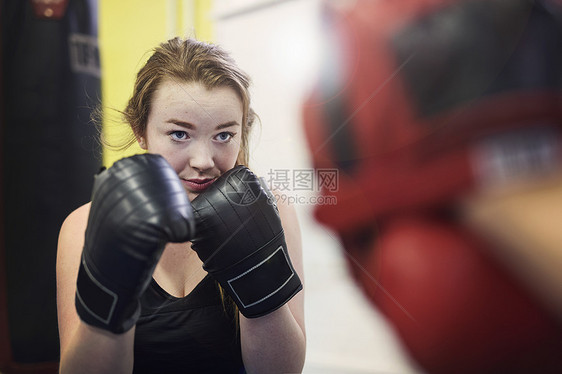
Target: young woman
[{"x": 191, "y": 105}]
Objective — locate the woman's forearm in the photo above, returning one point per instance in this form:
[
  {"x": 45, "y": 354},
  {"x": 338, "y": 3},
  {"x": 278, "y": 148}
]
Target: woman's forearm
[
  {"x": 274, "y": 343},
  {"x": 91, "y": 350}
]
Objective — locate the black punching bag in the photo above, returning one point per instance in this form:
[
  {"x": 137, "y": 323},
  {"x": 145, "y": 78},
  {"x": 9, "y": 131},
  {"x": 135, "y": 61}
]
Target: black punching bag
[{"x": 50, "y": 85}]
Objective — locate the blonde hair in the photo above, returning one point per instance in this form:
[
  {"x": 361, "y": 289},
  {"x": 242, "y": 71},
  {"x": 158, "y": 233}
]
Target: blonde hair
[{"x": 189, "y": 61}]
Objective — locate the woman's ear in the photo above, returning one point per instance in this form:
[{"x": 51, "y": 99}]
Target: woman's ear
[{"x": 142, "y": 142}]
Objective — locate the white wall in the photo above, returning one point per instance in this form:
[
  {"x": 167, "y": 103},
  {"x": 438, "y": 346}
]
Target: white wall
[{"x": 277, "y": 43}]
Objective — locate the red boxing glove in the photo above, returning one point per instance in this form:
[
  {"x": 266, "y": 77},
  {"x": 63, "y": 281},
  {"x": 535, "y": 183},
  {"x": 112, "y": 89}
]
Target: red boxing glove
[{"x": 455, "y": 310}]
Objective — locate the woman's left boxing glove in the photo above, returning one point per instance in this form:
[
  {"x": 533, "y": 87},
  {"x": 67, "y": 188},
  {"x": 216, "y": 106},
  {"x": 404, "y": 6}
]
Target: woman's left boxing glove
[
  {"x": 242, "y": 244},
  {"x": 138, "y": 205}
]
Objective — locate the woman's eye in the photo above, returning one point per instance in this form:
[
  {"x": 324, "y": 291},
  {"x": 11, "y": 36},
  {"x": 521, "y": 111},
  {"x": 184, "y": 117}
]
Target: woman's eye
[
  {"x": 179, "y": 135},
  {"x": 224, "y": 136}
]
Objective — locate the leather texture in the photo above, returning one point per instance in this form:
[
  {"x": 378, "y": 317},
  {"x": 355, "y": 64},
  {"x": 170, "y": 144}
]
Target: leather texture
[
  {"x": 241, "y": 242},
  {"x": 138, "y": 206}
]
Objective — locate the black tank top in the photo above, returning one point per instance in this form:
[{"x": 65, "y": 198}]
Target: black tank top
[{"x": 192, "y": 334}]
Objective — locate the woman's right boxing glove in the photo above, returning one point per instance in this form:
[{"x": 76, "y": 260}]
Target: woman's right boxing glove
[{"x": 138, "y": 205}]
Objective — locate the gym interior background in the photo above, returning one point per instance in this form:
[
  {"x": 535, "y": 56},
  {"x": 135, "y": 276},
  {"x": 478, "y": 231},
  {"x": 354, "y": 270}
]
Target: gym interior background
[{"x": 278, "y": 43}]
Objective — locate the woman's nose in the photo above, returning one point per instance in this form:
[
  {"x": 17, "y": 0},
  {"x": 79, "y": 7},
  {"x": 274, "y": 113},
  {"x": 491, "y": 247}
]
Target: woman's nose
[{"x": 202, "y": 157}]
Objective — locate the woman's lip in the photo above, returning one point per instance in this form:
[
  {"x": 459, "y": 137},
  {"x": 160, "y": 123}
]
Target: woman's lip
[{"x": 197, "y": 185}]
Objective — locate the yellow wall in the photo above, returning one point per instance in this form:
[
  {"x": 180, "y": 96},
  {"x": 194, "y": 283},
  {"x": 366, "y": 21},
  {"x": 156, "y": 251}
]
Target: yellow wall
[{"x": 128, "y": 30}]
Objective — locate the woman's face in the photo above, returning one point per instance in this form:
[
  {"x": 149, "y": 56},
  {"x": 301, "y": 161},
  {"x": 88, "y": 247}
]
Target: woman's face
[{"x": 197, "y": 130}]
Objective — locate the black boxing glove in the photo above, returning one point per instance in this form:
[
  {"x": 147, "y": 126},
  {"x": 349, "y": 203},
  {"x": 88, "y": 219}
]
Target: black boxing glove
[
  {"x": 138, "y": 205},
  {"x": 242, "y": 244}
]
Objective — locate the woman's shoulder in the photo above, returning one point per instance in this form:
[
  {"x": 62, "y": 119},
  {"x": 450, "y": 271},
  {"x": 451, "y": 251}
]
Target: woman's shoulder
[
  {"x": 289, "y": 220},
  {"x": 74, "y": 226},
  {"x": 286, "y": 210},
  {"x": 78, "y": 217}
]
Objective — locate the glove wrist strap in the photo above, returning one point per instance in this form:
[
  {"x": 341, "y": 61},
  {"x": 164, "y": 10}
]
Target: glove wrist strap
[{"x": 263, "y": 281}]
